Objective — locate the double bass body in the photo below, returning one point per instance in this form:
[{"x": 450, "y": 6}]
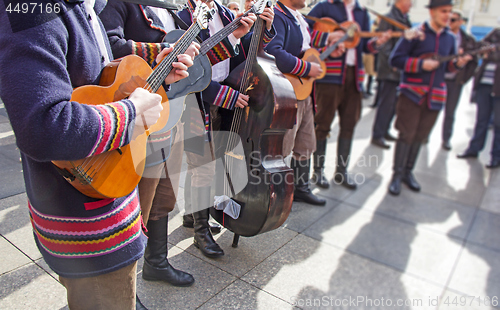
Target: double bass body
[{"x": 267, "y": 198}]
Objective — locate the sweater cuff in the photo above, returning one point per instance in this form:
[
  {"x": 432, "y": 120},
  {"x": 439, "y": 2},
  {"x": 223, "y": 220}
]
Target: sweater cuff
[
  {"x": 116, "y": 125},
  {"x": 413, "y": 65},
  {"x": 318, "y": 38},
  {"x": 148, "y": 51},
  {"x": 301, "y": 68},
  {"x": 268, "y": 35},
  {"x": 221, "y": 51},
  {"x": 226, "y": 97}
]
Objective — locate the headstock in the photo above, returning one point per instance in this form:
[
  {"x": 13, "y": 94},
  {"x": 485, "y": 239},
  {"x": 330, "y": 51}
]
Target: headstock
[
  {"x": 260, "y": 5},
  {"x": 351, "y": 30},
  {"x": 414, "y": 33},
  {"x": 203, "y": 14}
]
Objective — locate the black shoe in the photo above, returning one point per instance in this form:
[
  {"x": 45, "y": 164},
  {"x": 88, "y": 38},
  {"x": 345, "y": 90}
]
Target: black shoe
[
  {"x": 395, "y": 185},
  {"x": 204, "y": 241},
  {"x": 203, "y": 238},
  {"x": 400, "y": 159},
  {"x": 138, "y": 304},
  {"x": 319, "y": 179},
  {"x": 307, "y": 196},
  {"x": 446, "y": 145},
  {"x": 389, "y": 137},
  {"x": 188, "y": 222},
  {"x": 381, "y": 143},
  {"x": 343, "y": 178},
  {"x": 166, "y": 274},
  {"x": 302, "y": 192},
  {"x": 409, "y": 179},
  {"x": 156, "y": 266},
  {"x": 467, "y": 155},
  {"x": 494, "y": 163}
]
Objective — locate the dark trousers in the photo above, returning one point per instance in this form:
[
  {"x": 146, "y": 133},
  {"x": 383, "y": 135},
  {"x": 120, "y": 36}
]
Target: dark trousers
[
  {"x": 452, "y": 99},
  {"x": 486, "y": 105},
  {"x": 414, "y": 121},
  {"x": 386, "y": 110},
  {"x": 344, "y": 98}
]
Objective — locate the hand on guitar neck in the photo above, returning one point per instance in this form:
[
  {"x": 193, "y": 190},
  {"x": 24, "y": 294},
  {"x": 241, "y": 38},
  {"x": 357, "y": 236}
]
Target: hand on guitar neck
[
  {"x": 333, "y": 37},
  {"x": 268, "y": 17},
  {"x": 383, "y": 38},
  {"x": 148, "y": 105},
  {"x": 463, "y": 60},
  {"x": 246, "y": 24},
  {"x": 180, "y": 67}
]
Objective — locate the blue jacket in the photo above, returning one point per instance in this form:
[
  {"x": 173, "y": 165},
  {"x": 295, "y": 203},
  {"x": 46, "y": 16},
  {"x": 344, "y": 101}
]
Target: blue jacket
[
  {"x": 417, "y": 84},
  {"x": 286, "y": 47},
  {"x": 78, "y": 236},
  {"x": 335, "y": 9}
]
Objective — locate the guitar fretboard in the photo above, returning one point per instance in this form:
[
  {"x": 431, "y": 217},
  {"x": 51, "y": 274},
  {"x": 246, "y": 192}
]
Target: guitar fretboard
[
  {"x": 209, "y": 43},
  {"x": 159, "y": 74}
]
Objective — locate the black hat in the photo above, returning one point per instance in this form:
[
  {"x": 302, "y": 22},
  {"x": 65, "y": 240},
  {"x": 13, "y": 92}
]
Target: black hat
[{"x": 436, "y": 3}]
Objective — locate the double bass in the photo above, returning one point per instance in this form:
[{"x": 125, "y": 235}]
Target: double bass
[{"x": 267, "y": 198}]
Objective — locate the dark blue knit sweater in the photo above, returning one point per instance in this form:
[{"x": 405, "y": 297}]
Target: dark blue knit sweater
[{"x": 43, "y": 57}]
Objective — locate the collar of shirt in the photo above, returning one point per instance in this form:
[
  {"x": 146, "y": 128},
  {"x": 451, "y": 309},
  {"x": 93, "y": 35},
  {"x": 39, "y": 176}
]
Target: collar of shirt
[{"x": 304, "y": 28}]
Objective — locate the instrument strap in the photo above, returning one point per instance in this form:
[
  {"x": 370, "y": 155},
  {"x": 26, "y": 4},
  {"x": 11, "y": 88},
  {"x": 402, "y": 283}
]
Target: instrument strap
[{"x": 181, "y": 23}]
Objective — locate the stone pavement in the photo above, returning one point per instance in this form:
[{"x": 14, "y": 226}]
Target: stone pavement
[{"x": 364, "y": 250}]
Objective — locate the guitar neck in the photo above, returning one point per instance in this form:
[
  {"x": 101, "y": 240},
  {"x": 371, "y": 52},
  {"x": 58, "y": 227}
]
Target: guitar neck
[
  {"x": 159, "y": 74},
  {"x": 215, "y": 39},
  {"x": 332, "y": 47},
  {"x": 366, "y": 34},
  {"x": 485, "y": 49}
]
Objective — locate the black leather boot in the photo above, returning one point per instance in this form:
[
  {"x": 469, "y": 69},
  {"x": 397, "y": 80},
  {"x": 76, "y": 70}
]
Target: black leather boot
[
  {"x": 409, "y": 178},
  {"x": 318, "y": 177},
  {"x": 400, "y": 156},
  {"x": 202, "y": 236},
  {"x": 156, "y": 266},
  {"x": 343, "y": 154},
  {"x": 188, "y": 219},
  {"x": 302, "y": 192}
]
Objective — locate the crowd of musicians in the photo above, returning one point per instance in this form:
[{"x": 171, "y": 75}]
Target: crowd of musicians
[{"x": 94, "y": 244}]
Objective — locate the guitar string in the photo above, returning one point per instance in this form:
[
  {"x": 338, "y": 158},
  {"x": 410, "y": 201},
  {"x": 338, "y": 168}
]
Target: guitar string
[{"x": 235, "y": 125}]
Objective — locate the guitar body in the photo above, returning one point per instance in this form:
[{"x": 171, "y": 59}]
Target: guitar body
[
  {"x": 266, "y": 200},
  {"x": 115, "y": 173},
  {"x": 303, "y": 86},
  {"x": 327, "y": 27}
]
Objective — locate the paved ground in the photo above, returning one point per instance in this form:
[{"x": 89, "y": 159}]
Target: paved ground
[{"x": 364, "y": 249}]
